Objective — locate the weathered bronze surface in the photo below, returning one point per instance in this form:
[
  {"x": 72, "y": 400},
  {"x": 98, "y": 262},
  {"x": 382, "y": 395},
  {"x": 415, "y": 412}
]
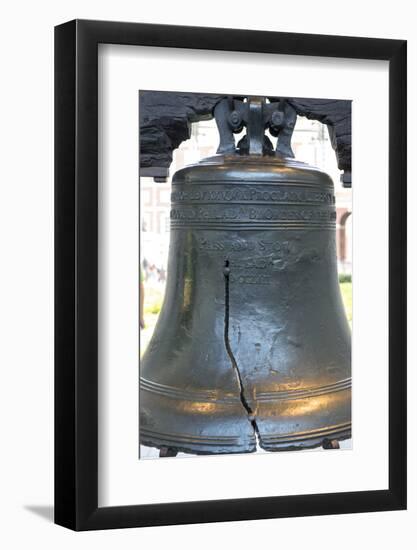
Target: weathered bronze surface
[
  {"x": 252, "y": 346},
  {"x": 252, "y": 339}
]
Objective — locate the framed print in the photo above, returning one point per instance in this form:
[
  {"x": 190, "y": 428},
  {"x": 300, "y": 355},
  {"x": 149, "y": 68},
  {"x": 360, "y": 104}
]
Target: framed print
[{"x": 230, "y": 275}]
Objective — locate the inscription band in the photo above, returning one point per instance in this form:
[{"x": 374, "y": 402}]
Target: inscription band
[{"x": 248, "y": 226}]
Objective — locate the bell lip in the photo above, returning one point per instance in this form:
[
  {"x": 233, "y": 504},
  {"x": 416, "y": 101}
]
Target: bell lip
[
  {"x": 200, "y": 451},
  {"x": 265, "y": 444}
]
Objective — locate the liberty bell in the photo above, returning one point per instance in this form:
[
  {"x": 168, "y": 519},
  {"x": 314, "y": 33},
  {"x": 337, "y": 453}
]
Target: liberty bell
[{"x": 252, "y": 348}]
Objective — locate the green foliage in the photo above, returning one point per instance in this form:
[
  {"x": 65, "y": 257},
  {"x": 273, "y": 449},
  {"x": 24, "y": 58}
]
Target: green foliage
[
  {"x": 346, "y": 290},
  {"x": 345, "y": 278},
  {"x": 153, "y": 300},
  {"x": 154, "y": 308}
]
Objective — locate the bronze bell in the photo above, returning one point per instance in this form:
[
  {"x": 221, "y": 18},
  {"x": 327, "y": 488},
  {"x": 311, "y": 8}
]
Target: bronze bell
[{"x": 252, "y": 346}]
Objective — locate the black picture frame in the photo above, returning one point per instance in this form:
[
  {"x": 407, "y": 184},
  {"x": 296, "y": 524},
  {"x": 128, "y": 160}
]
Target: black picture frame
[{"x": 76, "y": 271}]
